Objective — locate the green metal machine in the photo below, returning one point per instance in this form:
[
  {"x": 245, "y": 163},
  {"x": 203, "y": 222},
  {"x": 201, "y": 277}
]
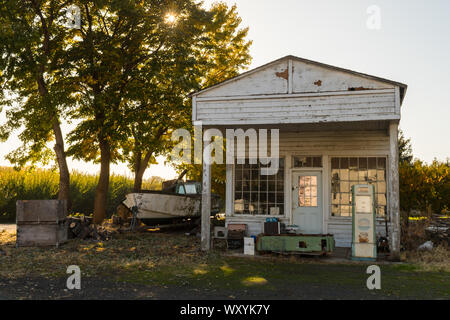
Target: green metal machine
[{"x": 296, "y": 243}]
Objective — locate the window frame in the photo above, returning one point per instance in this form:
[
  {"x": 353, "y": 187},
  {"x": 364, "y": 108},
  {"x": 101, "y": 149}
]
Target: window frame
[
  {"x": 306, "y": 155},
  {"x": 260, "y": 216},
  {"x": 384, "y": 218}
]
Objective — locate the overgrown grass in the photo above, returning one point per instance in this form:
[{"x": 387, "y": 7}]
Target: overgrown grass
[
  {"x": 37, "y": 184},
  {"x": 437, "y": 259},
  {"x": 126, "y": 252}
]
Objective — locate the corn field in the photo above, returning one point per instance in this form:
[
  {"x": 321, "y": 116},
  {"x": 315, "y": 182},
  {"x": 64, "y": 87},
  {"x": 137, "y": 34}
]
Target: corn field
[{"x": 36, "y": 184}]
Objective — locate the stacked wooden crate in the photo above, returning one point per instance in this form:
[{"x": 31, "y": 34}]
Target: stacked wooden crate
[
  {"x": 235, "y": 235},
  {"x": 41, "y": 223}
]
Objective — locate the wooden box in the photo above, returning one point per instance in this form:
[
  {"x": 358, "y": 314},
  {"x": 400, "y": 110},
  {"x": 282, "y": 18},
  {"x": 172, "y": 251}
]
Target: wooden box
[
  {"x": 35, "y": 211},
  {"x": 41, "y": 235},
  {"x": 41, "y": 223}
]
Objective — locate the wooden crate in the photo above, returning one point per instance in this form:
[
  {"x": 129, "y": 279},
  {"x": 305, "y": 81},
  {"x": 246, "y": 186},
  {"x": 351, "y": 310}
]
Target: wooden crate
[
  {"x": 41, "y": 223},
  {"x": 41, "y": 235},
  {"x": 35, "y": 211}
]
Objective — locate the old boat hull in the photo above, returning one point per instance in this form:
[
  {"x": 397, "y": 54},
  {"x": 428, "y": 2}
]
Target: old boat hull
[{"x": 159, "y": 206}]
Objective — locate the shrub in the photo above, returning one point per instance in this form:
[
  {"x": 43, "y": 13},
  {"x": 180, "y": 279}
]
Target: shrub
[{"x": 425, "y": 187}]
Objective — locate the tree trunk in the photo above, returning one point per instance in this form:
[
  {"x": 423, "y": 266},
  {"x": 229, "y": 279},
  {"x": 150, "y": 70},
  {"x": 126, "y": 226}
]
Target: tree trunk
[
  {"x": 64, "y": 175},
  {"x": 101, "y": 194},
  {"x": 139, "y": 169},
  {"x": 138, "y": 177}
]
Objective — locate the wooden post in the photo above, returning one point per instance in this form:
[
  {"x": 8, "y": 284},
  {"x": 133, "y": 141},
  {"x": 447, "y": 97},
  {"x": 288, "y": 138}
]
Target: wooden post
[
  {"x": 394, "y": 193},
  {"x": 229, "y": 190},
  {"x": 206, "y": 201}
]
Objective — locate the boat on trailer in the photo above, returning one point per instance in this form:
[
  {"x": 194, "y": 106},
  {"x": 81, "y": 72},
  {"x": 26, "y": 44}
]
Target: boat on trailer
[{"x": 178, "y": 200}]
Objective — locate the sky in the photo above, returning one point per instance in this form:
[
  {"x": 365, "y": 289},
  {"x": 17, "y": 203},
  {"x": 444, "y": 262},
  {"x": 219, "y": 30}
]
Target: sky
[{"x": 409, "y": 43}]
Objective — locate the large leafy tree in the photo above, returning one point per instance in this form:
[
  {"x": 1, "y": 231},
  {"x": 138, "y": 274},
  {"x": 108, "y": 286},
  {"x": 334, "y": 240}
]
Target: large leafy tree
[
  {"x": 220, "y": 53},
  {"x": 226, "y": 52},
  {"x": 123, "y": 47},
  {"x": 34, "y": 74}
]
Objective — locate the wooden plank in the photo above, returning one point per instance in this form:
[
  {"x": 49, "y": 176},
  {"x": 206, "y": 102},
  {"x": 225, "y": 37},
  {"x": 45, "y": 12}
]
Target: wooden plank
[
  {"x": 40, "y": 235},
  {"x": 307, "y": 77},
  {"x": 326, "y": 181},
  {"x": 229, "y": 194},
  {"x": 336, "y": 111},
  {"x": 397, "y": 101},
  {"x": 194, "y": 108},
  {"x": 359, "y": 143},
  {"x": 289, "y": 120},
  {"x": 299, "y": 100},
  {"x": 295, "y": 95},
  {"x": 40, "y": 211},
  {"x": 206, "y": 202},
  {"x": 270, "y": 80},
  {"x": 228, "y": 109},
  {"x": 288, "y": 186},
  {"x": 394, "y": 196},
  {"x": 290, "y": 79}
]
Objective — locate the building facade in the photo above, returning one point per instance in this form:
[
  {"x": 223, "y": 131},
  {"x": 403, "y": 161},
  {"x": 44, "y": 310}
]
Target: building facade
[{"x": 336, "y": 128}]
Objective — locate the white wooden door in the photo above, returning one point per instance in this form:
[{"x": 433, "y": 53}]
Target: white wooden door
[{"x": 307, "y": 204}]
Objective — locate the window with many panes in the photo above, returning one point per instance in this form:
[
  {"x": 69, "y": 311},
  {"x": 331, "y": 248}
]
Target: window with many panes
[
  {"x": 348, "y": 171},
  {"x": 258, "y": 194}
]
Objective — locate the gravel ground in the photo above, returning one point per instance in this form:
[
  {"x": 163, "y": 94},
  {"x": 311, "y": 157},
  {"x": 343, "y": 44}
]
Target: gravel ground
[{"x": 106, "y": 289}]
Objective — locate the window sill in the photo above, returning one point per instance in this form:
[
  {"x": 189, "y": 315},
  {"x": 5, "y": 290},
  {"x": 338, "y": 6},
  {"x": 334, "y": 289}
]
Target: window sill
[
  {"x": 337, "y": 219},
  {"x": 258, "y": 216}
]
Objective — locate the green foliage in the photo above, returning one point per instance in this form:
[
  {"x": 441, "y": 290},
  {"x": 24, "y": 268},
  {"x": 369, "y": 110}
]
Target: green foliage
[
  {"x": 217, "y": 53},
  {"x": 404, "y": 148},
  {"x": 133, "y": 70},
  {"x": 34, "y": 74},
  {"x": 31, "y": 184},
  {"x": 225, "y": 54},
  {"x": 226, "y": 50},
  {"x": 126, "y": 73},
  {"x": 425, "y": 186}
]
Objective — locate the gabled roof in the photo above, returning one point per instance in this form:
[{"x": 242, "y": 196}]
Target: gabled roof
[{"x": 403, "y": 87}]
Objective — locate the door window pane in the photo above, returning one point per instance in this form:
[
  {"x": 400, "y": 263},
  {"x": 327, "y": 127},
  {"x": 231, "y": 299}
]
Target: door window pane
[{"x": 307, "y": 191}]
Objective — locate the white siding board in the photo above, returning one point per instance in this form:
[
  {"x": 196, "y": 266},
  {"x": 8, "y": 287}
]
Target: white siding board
[
  {"x": 349, "y": 107},
  {"x": 295, "y": 101},
  {"x": 263, "y": 81},
  {"x": 364, "y": 142},
  {"x": 306, "y": 77},
  {"x": 290, "y": 120}
]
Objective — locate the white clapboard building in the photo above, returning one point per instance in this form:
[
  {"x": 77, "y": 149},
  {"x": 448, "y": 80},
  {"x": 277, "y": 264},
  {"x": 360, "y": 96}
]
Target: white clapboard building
[{"x": 337, "y": 128}]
